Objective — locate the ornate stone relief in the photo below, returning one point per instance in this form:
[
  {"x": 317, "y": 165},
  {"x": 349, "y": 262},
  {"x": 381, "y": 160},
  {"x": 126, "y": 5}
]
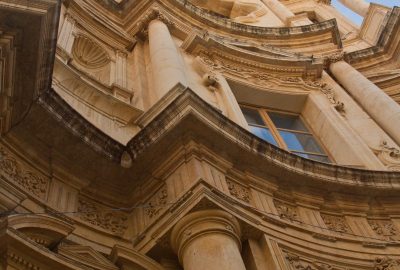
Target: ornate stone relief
[
  {"x": 386, "y": 263},
  {"x": 333, "y": 58},
  {"x": 325, "y": 2},
  {"x": 251, "y": 75},
  {"x": 297, "y": 263},
  {"x": 238, "y": 191},
  {"x": 88, "y": 53},
  {"x": 286, "y": 211},
  {"x": 112, "y": 221},
  {"x": 336, "y": 223},
  {"x": 385, "y": 228},
  {"x": 330, "y": 94},
  {"x": 29, "y": 181},
  {"x": 154, "y": 14},
  {"x": 22, "y": 261},
  {"x": 157, "y": 202},
  {"x": 389, "y": 155}
]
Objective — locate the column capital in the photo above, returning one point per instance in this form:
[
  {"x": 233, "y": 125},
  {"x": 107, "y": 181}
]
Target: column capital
[{"x": 201, "y": 223}]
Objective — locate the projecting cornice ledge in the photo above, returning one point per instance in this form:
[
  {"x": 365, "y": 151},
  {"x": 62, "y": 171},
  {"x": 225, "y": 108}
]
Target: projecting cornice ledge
[
  {"x": 386, "y": 41},
  {"x": 188, "y": 113},
  {"x": 183, "y": 114}
]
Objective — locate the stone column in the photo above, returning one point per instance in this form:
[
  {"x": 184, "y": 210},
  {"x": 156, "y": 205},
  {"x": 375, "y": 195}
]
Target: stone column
[
  {"x": 166, "y": 63},
  {"x": 383, "y": 109},
  {"x": 358, "y": 6},
  {"x": 208, "y": 239}
]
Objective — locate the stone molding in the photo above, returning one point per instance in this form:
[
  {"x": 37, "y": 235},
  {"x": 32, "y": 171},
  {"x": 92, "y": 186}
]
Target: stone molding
[
  {"x": 99, "y": 216},
  {"x": 22, "y": 176},
  {"x": 203, "y": 222}
]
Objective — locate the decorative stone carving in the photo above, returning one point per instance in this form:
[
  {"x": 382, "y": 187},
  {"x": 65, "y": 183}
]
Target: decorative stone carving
[
  {"x": 88, "y": 53},
  {"x": 238, "y": 191},
  {"x": 297, "y": 264},
  {"x": 386, "y": 263},
  {"x": 336, "y": 223},
  {"x": 333, "y": 58},
  {"x": 325, "y": 2},
  {"x": 384, "y": 228},
  {"x": 157, "y": 202},
  {"x": 330, "y": 94},
  {"x": 21, "y": 260},
  {"x": 389, "y": 155},
  {"x": 99, "y": 216},
  {"x": 153, "y": 14},
  {"x": 286, "y": 211},
  {"x": 31, "y": 182}
]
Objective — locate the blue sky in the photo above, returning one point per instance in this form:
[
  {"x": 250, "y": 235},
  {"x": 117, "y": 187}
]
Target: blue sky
[{"x": 355, "y": 17}]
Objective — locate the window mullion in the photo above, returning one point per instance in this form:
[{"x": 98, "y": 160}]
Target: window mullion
[{"x": 273, "y": 129}]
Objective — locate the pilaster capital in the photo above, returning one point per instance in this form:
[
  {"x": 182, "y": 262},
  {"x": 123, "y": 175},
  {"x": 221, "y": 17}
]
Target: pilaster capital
[
  {"x": 201, "y": 223},
  {"x": 333, "y": 58}
]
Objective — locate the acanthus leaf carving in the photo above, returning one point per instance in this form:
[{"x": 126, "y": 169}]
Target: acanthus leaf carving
[
  {"x": 29, "y": 181},
  {"x": 327, "y": 90},
  {"x": 384, "y": 228},
  {"x": 386, "y": 263},
  {"x": 102, "y": 217},
  {"x": 238, "y": 191},
  {"x": 286, "y": 211},
  {"x": 157, "y": 202},
  {"x": 336, "y": 223}
]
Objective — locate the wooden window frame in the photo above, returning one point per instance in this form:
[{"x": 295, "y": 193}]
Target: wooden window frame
[{"x": 263, "y": 112}]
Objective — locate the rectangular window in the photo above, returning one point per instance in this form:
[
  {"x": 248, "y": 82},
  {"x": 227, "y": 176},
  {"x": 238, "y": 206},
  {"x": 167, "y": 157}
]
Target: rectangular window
[{"x": 285, "y": 130}]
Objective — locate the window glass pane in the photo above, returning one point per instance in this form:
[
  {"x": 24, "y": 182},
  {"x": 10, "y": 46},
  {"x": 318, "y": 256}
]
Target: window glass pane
[
  {"x": 263, "y": 133},
  {"x": 300, "y": 142},
  {"x": 314, "y": 157},
  {"x": 252, "y": 116},
  {"x": 287, "y": 121}
]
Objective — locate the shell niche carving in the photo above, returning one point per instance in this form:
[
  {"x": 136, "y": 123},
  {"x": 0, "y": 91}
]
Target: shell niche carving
[{"x": 89, "y": 54}]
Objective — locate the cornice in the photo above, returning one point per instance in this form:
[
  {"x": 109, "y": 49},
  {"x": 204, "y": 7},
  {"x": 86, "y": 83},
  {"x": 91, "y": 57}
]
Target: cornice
[
  {"x": 384, "y": 44},
  {"x": 80, "y": 127},
  {"x": 280, "y": 62}
]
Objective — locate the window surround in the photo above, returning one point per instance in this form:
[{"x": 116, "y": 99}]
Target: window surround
[{"x": 274, "y": 130}]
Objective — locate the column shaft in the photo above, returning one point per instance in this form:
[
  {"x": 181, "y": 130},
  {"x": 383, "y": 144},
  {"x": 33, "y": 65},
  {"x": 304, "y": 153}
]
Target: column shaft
[
  {"x": 358, "y": 6},
  {"x": 208, "y": 239},
  {"x": 383, "y": 109},
  {"x": 284, "y": 14},
  {"x": 167, "y": 65}
]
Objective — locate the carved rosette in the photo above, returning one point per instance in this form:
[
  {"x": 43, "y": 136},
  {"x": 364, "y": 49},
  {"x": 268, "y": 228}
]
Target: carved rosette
[
  {"x": 385, "y": 229},
  {"x": 156, "y": 203},
  {"x": 238, "y": 191},
  {"x": 336, "y": 223},
  {"x": 112, "y": 221},
  {"x": 29, "y": 181},
  {"x": 286, "y": 211}
]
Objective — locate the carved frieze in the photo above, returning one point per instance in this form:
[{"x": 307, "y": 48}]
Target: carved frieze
[
  {"x": 296, "y": 263},
  {"x": 22, "y": 261},
  {"x": 113, "y": 221},
  {"x": 156, "y": 203},
  {"x": 238, "y": 191},
  {"x": 336, "y": 223},
  {"x": 29, "y": 181},
  {"x": 244, "y": 71},
  {"x": 286, "y": 211},
  {"x": 386, "y": 263},
  {"x": 384, "y": 228}
]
